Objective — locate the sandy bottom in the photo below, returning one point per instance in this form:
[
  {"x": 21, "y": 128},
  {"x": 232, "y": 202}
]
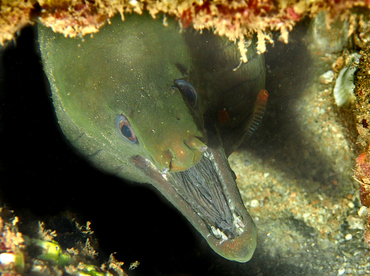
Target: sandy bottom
[{"x": 295, "y": 173}]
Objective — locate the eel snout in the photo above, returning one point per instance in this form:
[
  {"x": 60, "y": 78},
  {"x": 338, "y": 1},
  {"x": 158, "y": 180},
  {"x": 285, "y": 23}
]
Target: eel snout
[
  {"x": 210, "y": 189},
  {"x": 207, "y": 195}
]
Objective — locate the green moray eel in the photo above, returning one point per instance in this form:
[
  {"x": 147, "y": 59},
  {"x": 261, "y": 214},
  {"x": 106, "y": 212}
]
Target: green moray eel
[{"x": 151, "y": 104}]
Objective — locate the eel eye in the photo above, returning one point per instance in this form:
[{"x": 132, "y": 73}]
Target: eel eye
[
  {"x": 125, "y": 129},
  {"x": 188, "y": 91}
]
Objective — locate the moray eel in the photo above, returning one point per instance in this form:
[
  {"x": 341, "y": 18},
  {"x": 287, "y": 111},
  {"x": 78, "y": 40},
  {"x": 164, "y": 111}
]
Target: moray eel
[{"x": 151, "y": 104}]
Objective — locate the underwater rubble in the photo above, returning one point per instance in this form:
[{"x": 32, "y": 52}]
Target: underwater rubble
[{"x": 295, "y": 174}]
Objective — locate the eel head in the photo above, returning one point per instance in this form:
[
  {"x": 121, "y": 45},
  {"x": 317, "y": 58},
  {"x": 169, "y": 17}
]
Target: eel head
[{"x": 125, "y": 99}]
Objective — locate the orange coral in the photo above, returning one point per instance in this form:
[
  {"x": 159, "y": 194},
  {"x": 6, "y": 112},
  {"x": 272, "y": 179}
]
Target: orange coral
[
  {"x": 362, "y": 174},
  {"x": 234, "y": 19}
]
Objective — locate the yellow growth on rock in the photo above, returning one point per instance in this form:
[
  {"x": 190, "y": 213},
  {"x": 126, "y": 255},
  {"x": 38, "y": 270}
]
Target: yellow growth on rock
[
  {"x": 362, "y": 92},
  {"x": 233, "y": 19}
]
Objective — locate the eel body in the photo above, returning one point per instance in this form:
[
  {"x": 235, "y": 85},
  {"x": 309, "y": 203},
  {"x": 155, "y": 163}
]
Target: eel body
[{"x": 152, "y": 105}]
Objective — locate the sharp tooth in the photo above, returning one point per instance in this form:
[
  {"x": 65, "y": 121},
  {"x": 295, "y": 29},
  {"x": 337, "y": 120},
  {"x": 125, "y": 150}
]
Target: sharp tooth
[
  {"x": 238, "y": 223},
  {"x": 219, "y": 234}
]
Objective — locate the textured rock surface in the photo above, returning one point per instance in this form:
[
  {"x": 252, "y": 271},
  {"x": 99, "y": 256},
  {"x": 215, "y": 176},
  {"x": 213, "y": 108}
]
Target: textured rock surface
[{"x": 294, "y": 174}]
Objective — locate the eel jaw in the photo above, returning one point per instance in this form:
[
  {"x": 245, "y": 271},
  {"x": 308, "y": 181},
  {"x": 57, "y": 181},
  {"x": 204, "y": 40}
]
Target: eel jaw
[{"x": 215, "y": 209}]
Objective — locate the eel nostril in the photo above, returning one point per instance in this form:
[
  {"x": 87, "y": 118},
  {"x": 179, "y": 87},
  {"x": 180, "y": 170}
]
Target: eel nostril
[
  {"x": 194, "y": 143},
  {"x": 203, "y": 148}
]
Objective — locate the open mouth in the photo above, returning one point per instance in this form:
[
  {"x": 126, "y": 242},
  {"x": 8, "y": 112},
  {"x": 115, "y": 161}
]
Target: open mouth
[
  {"x": 202, "y": 187},
  {"x": 207, "y": 195}
]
